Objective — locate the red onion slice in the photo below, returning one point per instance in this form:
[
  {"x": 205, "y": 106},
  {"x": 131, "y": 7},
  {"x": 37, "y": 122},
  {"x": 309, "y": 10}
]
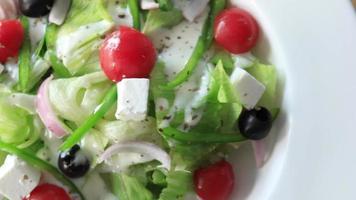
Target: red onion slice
[
  {"x": 46, "y": 113},
  {"x": 8, "y": 9},
  {"x": 145, "y": 148},
  {"x": 259, "y": 148}
]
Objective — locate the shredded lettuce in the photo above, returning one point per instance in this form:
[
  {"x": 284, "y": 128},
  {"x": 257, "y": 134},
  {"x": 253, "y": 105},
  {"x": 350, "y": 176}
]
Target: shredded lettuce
[
  {"x": 267, "y": 75},
  {"x": 178, "y": 184},
  {"x": 17, "y": 126},
  {"x": 74, "y": 99},
  {"x": 121, "y": 131},
  {"x": 226, "y": 59},
  {"x": 79, "y": 37},
  {"x": 128, "y": 188},
  {"x": 157, "y": 19}
]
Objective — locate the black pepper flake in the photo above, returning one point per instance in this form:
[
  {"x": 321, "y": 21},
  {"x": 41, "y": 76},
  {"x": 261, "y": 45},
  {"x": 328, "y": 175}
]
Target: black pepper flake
[
  {"x": 194, "y": 117},
  {"x": 127, "y": 101},
  {"x": 179, "y": 37},
  {"x": 160, "y": 130},
  {"x": 168, "y": 38},
  {"x": 121, "y": 16}
]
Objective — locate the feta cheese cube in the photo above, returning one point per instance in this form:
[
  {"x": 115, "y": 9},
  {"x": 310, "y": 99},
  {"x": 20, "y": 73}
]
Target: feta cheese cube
[
  {"x": 248, "y": 88},
  {"x": 17, "y": 179},
  {"x": 132, "y": 99}
]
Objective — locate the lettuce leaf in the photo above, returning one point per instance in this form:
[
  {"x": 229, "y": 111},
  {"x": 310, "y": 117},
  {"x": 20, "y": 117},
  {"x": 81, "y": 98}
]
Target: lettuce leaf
[
  {"x": 178, "y": 184},
  {"x": 74, "y": 99},
  {"x": 158, "y": 18},
  {"x": 129, "y": 188},
  {"x": 78, "y": 39},
  {"x": 267, "y": 75},
  {"x": 17, "y": 126}
]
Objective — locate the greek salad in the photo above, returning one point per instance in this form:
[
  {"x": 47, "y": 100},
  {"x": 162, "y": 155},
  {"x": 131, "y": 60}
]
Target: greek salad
[{"x": 129, "y": 99}]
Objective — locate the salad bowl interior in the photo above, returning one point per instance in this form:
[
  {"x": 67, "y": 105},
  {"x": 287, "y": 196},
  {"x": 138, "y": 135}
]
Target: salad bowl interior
[{"x": 252, "y": 181}]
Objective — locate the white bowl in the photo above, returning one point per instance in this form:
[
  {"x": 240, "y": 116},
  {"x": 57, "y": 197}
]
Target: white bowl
[{"x": 312, "y": 149}]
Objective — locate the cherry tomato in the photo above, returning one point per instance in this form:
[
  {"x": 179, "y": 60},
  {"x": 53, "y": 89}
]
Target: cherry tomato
[
  {"x": 127, "y": 53},
  {"x": 48, "y": 191},
  {"x": 214, "y": 182},
  {"x": 11, "y": 38},
  {"x": 236, "y": 30}
]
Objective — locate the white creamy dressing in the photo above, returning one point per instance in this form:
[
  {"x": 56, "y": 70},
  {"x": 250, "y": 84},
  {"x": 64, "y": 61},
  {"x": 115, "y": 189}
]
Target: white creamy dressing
[
  {"x": 95, "y": 188},
  {"x": 175, "y": 47},
  {"x": 50, "y": 151},
  {"x": 120, "y": 15}
]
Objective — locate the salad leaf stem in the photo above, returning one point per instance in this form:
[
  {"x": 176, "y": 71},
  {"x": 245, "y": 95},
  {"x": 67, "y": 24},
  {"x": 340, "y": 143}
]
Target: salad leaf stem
[
  {"x": 203, "y": 44},
  {"x": 191, "y": 137},
  {"x": 135, "y": 12},
  {"x": 40, "y": 164},
  {"x": 102, "y": 109},
  {"x": 165, "y": 5},
  {"x": 25, "y": 58},
  {"x": 59, "y": 69}
]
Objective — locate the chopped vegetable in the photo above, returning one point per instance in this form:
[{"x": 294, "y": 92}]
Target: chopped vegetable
[
  {"x": 135, "y": 12},
  {"x": 157, "y": 19},
  {"x": 202, "y": 45},
  {"x": 25, "y": 58},
  {"x": 40, "y": 164},
  {"x": 201, "y": 137},
  {"x": 128, "y": 188},
  {"x": 178, "y": 184},
  {"x": 99, "y": 113},
  {"x": 144, "y": 148},
  {"x": 165, "y": 5}
]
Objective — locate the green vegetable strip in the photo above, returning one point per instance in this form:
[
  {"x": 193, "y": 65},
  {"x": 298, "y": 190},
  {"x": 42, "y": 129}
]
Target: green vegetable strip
[
  {"x": 41, "y": 48},
  {"x": 165, "y": 5},
  {"x": 135, "y": 12},
  {"x": 201, "y": 137},
  {"x": 41, "y": 165},
  {"x": 25, "y": 58},
  {"x": 202, "y": 45},
  {"x": 115, "y": 183},
  {"x": 77, "y": 135},
  {"x": 59, "y": 69}
]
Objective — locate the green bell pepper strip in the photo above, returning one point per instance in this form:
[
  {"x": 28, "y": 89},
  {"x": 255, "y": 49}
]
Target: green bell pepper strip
[
  {"x": 103, "y": 108},
  {"x": 165, "y": 5},
  {"x": 41, "y": 165},
  {"x": 25, "y": 58},
  {"x": 180, "y": 136},
  {"x": 135, "y": 12},
  {"x": 203, "y": 44}
]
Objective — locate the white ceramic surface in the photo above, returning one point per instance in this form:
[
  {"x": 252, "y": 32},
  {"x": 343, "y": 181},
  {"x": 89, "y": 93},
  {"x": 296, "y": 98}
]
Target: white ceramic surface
[{"x": 313, "y": 153}]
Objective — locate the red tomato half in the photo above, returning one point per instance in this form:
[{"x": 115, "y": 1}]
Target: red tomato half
[
  {"x": 127, "y": 53},
  {"x": 214, "y": 182},
  {"x": 236, "y": 30},
  {"x": 11, "y": 38},
  {"x": 48, "y": 192}
]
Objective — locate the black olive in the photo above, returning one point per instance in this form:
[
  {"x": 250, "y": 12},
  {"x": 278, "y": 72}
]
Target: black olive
[
  {"x": 35, "y": 8},
  {"x": 256, "y": 123},
  {"x": 73, "y": 163}
]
